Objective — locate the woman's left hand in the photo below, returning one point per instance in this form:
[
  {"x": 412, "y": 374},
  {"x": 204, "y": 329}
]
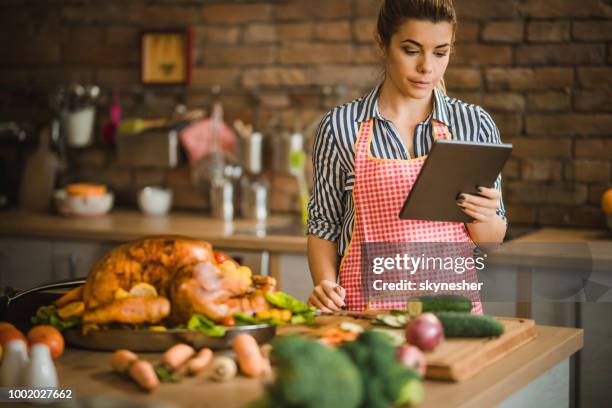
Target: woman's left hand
[{"x": 483, "y": 207}]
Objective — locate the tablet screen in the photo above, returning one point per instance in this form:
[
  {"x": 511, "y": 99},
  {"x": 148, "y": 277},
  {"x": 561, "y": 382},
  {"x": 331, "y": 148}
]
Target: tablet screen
[{"x": 453, "y": 167}]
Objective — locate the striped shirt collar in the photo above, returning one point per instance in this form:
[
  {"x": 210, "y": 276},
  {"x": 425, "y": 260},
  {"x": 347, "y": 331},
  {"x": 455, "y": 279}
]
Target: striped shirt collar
[{"x": 368, "y": 107}]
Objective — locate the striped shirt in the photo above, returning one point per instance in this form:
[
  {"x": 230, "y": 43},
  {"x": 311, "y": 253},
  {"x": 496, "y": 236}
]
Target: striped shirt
[{"x": 331, "y": 207}]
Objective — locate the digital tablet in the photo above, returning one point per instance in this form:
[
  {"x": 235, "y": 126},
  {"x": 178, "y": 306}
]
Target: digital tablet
[{"x": 453, "y": 167}]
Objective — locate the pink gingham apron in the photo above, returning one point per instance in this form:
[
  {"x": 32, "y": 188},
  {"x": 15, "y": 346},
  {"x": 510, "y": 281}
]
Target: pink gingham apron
[{"x": 380, "y": 188}]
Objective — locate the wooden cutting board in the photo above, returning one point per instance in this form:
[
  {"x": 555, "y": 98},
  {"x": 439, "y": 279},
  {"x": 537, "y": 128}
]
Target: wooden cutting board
[{"x": 457, "y": 359}]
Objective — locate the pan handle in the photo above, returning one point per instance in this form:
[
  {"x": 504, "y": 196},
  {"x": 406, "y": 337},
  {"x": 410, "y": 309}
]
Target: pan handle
[{"x": 11, "y": 295}]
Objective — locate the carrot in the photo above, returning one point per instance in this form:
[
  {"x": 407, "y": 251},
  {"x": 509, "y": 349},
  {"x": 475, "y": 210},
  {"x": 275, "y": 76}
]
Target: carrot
[
  {"x": 121, "y": 360},
  {"x": 177, "y": 355},
  {"x": 199, "y": 363},
  {"x": 266, "y": 350},
  {"x": 143, "y": 373},
  {"x": 250, "y": 359},
  {"x": 335, "y": 336},
  {"x": 73, "y": 295}
]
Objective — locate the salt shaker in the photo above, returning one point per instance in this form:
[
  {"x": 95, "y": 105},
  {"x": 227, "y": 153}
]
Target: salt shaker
[
  {"x": 14, "y": 363},
  {"x": 40, "y": 371}
]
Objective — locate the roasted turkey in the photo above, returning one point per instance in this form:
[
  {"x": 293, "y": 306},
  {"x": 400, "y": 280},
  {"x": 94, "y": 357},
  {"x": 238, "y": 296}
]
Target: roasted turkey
[{"x": 187, "y": 279}]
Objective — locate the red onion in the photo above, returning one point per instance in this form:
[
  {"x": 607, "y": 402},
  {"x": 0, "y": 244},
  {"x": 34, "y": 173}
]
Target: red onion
[
  {"x": 425, "y": 331},
  {"x": 412, "y": 357}
]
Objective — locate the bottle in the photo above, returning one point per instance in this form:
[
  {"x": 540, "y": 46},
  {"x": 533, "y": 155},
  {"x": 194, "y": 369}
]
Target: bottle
[
  {"x": 14, "y": 363},
  {"x": 40, "y": 371}
]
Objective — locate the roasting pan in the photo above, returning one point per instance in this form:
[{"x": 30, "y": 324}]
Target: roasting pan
[{"x": 18, "y": 307}]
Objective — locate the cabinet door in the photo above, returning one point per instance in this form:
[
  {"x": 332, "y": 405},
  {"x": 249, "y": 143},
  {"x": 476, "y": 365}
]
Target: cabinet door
[
  {"x": 25, "y": 263},
  {"x": 294, "y": 276},
  {"x": 74, "y": 259}
]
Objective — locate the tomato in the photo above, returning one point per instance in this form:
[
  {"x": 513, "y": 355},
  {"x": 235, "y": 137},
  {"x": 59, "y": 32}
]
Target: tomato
[
  {"x": 10, "y": 333},
  {"x": 220, "y": 257},
  {"x": 228, "y": 321},
  {"x": 49, "y": 336},
  {"x": 6, "y": 325}
]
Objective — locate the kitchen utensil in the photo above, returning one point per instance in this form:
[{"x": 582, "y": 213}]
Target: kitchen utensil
[
  {"x": 150, "y": 148},
  {"x": 254, "y": 203},
  {"x": 140, "y": 340},
  {"x": 40, "y": 370},
  {"x": 79, "y": 206},
  {"x": 38, "y": 177},
  {"x": 199, "y": 138},
  {"x": 18, "y": 307},
  {"x": 297, "y": 166},
  {"x": 252, "y": 151},
  {"x": 283, "y": 147},
  {"x": 78, "y": 125},
  {"x": 155, "y": 200},
  {"x": 109, "y": 130},
  {"x": 14, "y": 363},
  {"x": 12, "y": 295},
  {"x": 222, "y": 200}
]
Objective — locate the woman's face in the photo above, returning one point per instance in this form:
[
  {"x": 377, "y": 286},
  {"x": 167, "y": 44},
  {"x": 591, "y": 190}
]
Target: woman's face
[{"x": 417, "y": 56}]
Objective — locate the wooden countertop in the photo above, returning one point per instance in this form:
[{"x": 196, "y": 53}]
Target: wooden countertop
[
  {"x": 277, "y": 234},
  {"x": 558, "y": 247},
  {"x": 88, "y": 375},
  {"x": 584, "y": 235}
]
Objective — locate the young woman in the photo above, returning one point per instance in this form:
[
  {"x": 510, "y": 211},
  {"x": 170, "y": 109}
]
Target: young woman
[{"x": 374, "y": 146}]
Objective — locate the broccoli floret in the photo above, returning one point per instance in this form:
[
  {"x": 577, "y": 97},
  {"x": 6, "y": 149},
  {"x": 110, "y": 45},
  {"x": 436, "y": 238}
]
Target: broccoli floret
[
  {"x": 385, "y": 381},
  {"x": 311, "y": 375}
]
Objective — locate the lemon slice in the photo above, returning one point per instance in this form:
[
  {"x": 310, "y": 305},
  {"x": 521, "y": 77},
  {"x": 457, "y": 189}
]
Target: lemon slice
[
  {"x": 71, "y": 309},
  {"x": 143, "y": 290},
  {"x": 121, "y": 294}
]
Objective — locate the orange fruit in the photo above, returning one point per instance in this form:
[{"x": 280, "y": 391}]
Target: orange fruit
[
  {"x": 606, "y": 201},
  {"x": 71, "y": 309},
  {"x": 85, "y": 189},
  {"x": 49, "y": 336},
  {"x": 6, "y": 325},
  {"x": 10, "y": 333}
]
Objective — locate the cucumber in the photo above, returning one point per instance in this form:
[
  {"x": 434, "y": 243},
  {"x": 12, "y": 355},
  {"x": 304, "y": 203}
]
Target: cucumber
[
  {"x": 451, "y": 303},
  {"x": 390, "y": 320},
  {"x": 457, "y": 324}
]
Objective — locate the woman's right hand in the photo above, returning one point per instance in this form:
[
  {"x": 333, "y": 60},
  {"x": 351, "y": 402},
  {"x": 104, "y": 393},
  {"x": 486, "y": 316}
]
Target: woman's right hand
[{"x": 327, "y": 296}]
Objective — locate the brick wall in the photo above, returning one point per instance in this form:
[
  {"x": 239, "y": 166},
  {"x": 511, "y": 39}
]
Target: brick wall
[{"x": 540, "y": 67}]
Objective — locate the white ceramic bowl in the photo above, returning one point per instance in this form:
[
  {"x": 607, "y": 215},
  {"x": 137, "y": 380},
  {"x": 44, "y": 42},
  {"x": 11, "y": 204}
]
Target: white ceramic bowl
[
  {"x": 155, "y": 200},
  {"x": 83, "y": 206}
]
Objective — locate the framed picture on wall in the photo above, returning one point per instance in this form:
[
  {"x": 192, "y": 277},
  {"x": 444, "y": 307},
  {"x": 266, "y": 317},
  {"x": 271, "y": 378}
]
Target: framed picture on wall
[{"x": 166, "y": 57}]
